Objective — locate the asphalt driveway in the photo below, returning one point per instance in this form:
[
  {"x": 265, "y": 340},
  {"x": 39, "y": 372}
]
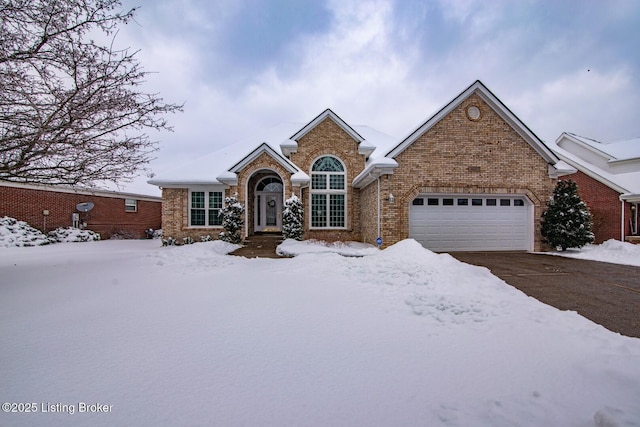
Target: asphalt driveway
[{"x": 608, "y": 294}]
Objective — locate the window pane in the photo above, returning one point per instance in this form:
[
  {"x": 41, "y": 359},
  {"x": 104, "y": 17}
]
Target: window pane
[
  {"x": 418, "y": 202},
  {"x": 197, "y": 216},
  {"x": 433, "y": 202},
  {"x": 214, "y": 217},
  {"x": 447, "y": 202},
  {"x": 215, "y": 200},
  {"x": 130, "y": 205},
  {"x": 327, "y": 164},
  {"x": 318, "y": 182},
  {"x": 274, "y": 187},
  {"x": 505, "y": 202},
  {"x": 336, "y": 182},
  {"x": 476, "y": 202},
  {"x": 518, "y": 202},
  {"x": 318, "y": 210},
  {"x": 463, "y": 202},
  {"x": 336, "y": 213},
  {"x": 491, "y": 202},
  {"x": 197, "y": 200}
]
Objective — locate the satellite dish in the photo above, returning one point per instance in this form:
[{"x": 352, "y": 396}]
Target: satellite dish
[{"x": 84, "y": 207}]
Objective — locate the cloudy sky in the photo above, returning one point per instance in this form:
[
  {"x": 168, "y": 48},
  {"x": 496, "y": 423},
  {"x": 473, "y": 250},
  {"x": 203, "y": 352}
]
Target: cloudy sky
[{"x": 241, "y": 66}]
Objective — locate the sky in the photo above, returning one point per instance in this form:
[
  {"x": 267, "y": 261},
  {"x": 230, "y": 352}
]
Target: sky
[{"x": 242, "y": 66}]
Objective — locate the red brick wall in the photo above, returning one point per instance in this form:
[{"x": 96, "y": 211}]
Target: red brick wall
[
  {"x": 604, "y": 204},
  {"x": 107, "y": 217}
]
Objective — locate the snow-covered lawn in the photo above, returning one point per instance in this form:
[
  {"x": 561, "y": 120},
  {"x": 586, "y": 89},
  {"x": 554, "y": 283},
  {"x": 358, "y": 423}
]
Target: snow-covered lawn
[
  {"x": 189, "y": 336},
  {"x": 613, "y": 251}
]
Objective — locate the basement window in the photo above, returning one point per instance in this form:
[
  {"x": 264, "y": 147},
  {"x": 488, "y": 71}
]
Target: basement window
[{"x": 130, "y": 205}]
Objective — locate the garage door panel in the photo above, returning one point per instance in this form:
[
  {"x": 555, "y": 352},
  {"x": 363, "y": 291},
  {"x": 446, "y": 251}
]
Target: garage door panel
[{"x": 478, "y": 225}]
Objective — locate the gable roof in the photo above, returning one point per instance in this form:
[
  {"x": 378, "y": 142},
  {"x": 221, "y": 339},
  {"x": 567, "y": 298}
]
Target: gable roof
[
  {"x": 220, "y": 167},
  {"x": 291, "y": 145},
  {"x": 487, "y": 96},
  {"x": 620, "y": 172},
  {"x": 319, "y": 119}
]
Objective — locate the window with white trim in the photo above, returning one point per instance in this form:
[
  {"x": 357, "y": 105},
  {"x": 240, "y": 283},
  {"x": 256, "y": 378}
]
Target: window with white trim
[
  {"x": 328, "y": 193},
  {"x": 130, "y": 205},
  {"x": 204, "y": 208}
]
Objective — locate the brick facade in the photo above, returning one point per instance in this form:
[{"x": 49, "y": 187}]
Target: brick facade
[
  {"x": 456, "y": 155},
  {"x": 605, "y": 206},
  {"x": 328, "y": 138},
  {"x": 108, "y": 217},
  {"x": 459, "y": 155}
]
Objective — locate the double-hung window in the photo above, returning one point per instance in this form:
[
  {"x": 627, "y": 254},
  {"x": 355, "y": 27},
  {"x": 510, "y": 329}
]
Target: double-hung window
[
  {"x": 328, "y": 193},
  {"x": 204, "y": 208}
]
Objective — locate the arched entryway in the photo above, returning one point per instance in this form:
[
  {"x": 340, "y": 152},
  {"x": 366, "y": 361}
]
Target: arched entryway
[{"x": 267, "y": 205}]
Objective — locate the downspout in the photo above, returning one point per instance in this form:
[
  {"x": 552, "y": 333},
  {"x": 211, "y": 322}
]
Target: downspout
[
  {"x": 379, "y": 207},
  {"x": 622, "y": 225}
]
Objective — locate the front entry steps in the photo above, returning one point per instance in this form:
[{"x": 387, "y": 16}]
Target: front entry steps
[{"x": 262, "y": 245}]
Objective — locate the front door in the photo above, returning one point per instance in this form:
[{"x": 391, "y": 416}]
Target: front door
[
  {"x": 268, "y": 205},
  {"x": 269, "y": 215}
]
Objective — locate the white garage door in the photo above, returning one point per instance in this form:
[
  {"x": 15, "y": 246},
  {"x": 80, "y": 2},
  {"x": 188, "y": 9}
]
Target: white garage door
[{"x": 471, "y": 222}]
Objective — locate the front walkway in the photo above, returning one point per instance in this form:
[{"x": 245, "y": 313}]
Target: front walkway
[{"x": 260, "y": 246}]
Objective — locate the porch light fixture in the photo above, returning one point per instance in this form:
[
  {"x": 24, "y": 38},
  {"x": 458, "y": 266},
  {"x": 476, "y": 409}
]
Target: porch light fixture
[{"x": 391, "y": 198}]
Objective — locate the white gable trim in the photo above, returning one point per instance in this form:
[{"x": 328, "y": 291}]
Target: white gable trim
[
  {"x": 497, "y": 105},
  {"x": 263, "y": 148},
  {"x": 333, "y": 116},
  {"x": 584, "y": 169}
]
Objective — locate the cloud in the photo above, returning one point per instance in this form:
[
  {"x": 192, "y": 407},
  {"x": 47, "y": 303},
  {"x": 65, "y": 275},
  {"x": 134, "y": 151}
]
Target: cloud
[{"x": 243, "y": 66}]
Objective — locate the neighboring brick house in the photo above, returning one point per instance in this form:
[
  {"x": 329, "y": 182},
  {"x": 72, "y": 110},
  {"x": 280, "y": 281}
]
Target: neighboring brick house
[
  {"x": 608, "y": 181},
  {"x": 49, "y": 207},
  {"x": 471, "y": 177}
]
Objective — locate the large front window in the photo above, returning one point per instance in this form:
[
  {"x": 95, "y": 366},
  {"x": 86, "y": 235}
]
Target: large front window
[
  {"x": 328, "y": 193},
  {"x": 204, "y": 208}
]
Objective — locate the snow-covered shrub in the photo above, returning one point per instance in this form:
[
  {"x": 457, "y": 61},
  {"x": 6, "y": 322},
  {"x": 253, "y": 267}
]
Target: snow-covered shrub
[
  {"x": 169, "y": 241},
  {"x": 292, "y": 217},
  {"x": 70, "y": 234},
  {"x": 567, "y": 221},
  {"x": 206, "y": 238},
  {"x": 187, "y": 240},
  {"x": 19, "y": 233},
  {"x": 231, "y": 220},
  {"x": 157, "y": 234}
]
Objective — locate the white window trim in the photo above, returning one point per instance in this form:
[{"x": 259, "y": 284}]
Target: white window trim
[
  {"x": 328, "y": 191},
  {"x": 134, "y": 205},
  {"x": 206, "y": 206}
]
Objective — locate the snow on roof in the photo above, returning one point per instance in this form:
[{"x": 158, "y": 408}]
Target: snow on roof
[
  {"x": 207, "y": 169},
  {"x": 625, "y": 181},
  {"x": 627, "y": 149}
]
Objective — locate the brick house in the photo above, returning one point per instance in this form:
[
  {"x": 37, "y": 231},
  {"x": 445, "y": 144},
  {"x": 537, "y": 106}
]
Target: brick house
[
  {"x": 49, "y": 207},
  {"x": 608, "y": 178},
  {"x": 471, "y": 177}
]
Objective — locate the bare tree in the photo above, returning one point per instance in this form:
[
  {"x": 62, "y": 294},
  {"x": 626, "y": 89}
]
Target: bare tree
[{"x": 72, "y": 110}]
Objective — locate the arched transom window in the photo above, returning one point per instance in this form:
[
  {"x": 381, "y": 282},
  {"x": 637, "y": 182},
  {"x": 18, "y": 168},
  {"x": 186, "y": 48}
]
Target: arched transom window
[
  {"x": 328, "y": 193},
  {"x": 270, "y": 184}
]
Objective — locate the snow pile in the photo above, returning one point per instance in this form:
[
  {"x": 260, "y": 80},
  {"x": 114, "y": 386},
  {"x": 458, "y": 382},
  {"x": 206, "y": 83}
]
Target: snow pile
[
  {"x": 70, "y": 234},
  {"x": 19, "y": 233},
  {"x": 291, "y": 247},
  {"x": 188, "y": 336},
  {"x": 613, "y": 251}
]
